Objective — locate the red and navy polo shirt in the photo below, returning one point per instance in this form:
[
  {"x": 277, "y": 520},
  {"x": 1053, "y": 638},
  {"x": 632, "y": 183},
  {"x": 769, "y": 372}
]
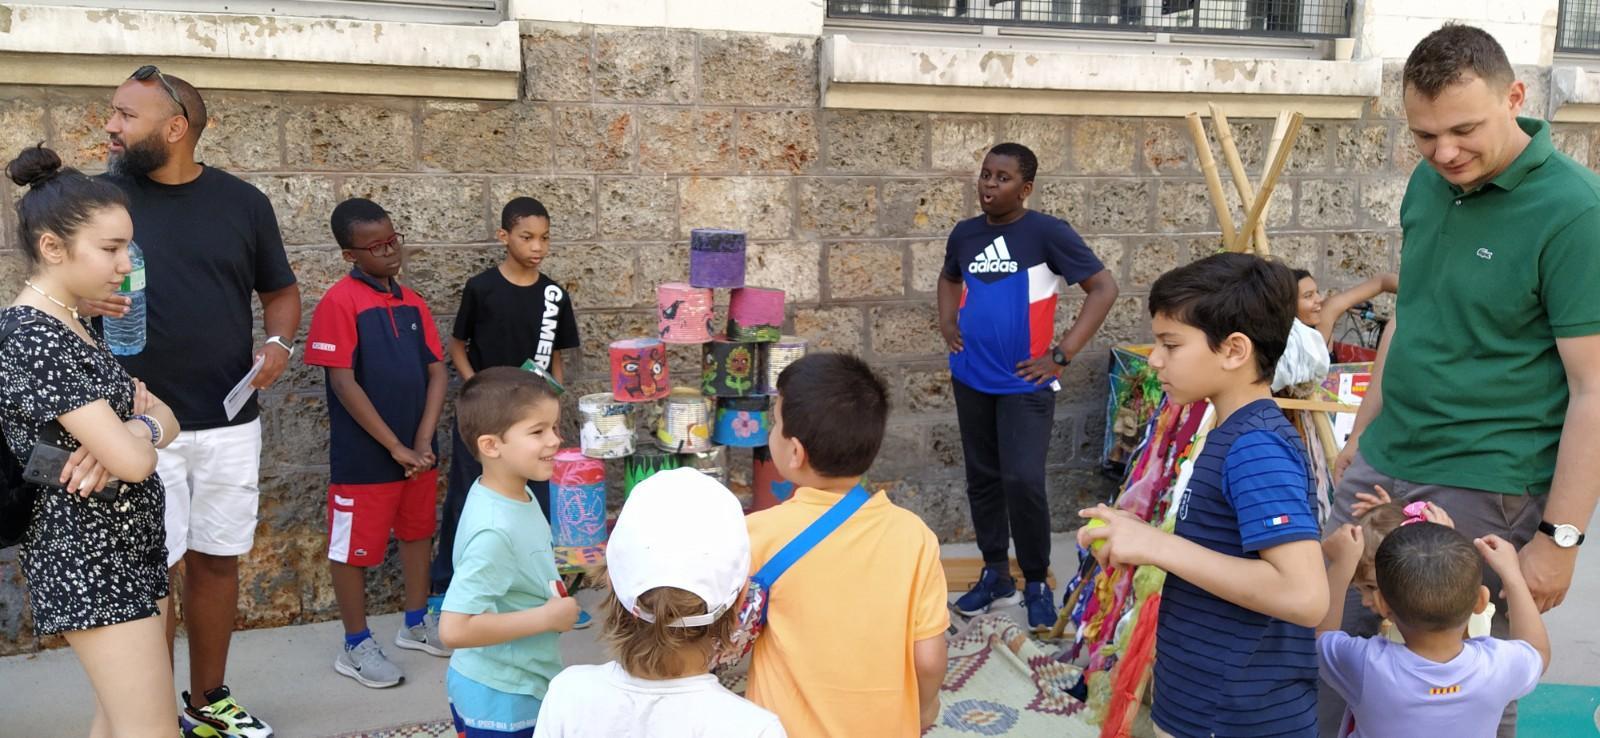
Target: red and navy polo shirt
[
  {"x": 1009, "y": 275},
  {"x": 387, "y": 336}
]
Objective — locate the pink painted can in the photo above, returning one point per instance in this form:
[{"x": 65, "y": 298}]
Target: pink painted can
[
  {"x": 755, "y": 315},
  {"x": 685, "y": 313}
]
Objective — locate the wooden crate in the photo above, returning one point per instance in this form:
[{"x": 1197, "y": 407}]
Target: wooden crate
[{"x": 960, "y": 573}]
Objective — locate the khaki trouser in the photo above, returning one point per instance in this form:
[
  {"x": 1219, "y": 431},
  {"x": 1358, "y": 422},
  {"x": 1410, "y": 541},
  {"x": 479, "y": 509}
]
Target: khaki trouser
[{"x": 1475, "y": 512}]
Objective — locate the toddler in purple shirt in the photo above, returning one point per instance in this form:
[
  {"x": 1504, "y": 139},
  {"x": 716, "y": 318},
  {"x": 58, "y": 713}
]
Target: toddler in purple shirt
[{"x": 1429, "y": 583}]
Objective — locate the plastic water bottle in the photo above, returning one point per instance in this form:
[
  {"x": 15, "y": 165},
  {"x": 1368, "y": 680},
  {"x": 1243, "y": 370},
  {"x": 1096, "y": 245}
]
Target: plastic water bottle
[{"x": 125, "y": 335}]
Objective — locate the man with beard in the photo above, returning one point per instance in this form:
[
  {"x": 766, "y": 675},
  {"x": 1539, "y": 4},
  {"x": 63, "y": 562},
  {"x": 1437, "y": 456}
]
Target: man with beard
[{"x": 209, "y": 241}]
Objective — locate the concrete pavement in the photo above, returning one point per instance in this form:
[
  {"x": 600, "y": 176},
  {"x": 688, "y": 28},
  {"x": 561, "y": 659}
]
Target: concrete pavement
[{"x": 285, "y": 674}]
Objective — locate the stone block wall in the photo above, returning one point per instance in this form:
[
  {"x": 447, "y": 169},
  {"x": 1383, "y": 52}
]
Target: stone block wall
[{"x": 632, "y": 137}]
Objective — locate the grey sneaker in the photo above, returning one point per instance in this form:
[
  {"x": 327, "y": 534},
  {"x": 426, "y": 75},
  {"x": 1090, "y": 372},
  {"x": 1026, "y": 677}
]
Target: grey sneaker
[
  {"x": 367, "y": 664},
  {"x": 424, "y": 637}
]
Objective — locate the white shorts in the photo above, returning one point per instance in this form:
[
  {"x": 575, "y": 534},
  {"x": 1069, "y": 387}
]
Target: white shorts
[{"x": 212, "y": 477}]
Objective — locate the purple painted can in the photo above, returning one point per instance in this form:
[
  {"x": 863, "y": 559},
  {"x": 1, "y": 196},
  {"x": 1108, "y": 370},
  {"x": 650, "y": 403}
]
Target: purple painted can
[{"x": 716, "y": 258}]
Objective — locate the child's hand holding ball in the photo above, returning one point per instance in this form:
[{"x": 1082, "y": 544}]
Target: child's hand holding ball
[
  {"x": 1099, "y": 544},
  {"x": 1117, "y": 537}
]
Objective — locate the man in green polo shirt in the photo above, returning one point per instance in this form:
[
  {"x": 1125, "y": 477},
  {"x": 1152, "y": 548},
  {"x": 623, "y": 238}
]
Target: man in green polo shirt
[{"x": 1487, "y": 398}]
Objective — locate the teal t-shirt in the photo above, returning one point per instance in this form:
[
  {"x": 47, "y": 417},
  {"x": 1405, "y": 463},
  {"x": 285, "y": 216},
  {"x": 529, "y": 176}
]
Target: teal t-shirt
[{"x": 504, "y": 563}]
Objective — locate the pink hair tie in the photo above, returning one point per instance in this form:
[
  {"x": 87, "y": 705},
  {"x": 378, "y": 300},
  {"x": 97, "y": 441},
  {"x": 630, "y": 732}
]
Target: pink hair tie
[{"x": 1414, "y": 513}]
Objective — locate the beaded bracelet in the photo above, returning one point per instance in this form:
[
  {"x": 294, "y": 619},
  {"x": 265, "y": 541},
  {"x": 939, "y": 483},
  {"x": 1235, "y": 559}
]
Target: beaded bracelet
[{"x": 156, "y": 431}]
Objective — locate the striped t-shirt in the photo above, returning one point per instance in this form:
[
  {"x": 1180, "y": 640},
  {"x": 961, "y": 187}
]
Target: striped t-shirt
[{"x": 1221, "y": 669}]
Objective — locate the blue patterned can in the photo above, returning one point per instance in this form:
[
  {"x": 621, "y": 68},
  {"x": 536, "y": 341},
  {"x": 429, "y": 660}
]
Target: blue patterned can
[{"x": 743, "y": 422}]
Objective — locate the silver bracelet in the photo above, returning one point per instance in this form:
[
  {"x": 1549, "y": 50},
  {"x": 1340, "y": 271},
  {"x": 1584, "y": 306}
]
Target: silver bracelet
[{"x": 156, "y": 431}]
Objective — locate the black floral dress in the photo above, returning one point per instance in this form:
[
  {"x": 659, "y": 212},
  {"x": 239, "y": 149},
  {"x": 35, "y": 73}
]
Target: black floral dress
[{"x": 89, "y": 562}]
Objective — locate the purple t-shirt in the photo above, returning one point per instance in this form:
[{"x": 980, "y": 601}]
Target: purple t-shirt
[{"x": 1394, "y": 692}]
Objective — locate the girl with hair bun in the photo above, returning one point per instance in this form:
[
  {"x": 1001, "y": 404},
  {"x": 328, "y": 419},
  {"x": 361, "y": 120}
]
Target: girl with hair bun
[{"x": 94, "y": 553}]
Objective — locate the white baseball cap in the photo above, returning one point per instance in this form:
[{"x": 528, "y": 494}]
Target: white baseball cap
[{"x": 680, "y": 528}]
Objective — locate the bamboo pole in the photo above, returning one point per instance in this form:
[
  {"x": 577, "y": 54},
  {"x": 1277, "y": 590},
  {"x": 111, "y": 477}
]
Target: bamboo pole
[
  {"x": 1276, "y": 141},
  {"x": 1241, "y": 180},
  {"x": 1138, "y": 700},
  {"x": 1274, "y": 169},
  {"x": 1324, "y": 426},
  {"x": 1208, "y": 166},
  {"x": 1291, "y": 403},
  {"x": 1064, "y": 618},
  {"x": 1273, "y": 144}
]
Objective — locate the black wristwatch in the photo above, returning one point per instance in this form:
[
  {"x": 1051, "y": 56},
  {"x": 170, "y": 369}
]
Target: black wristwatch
[
  {"x": 1565, "y": 536},
  {"x": 1059, "y": 358}
]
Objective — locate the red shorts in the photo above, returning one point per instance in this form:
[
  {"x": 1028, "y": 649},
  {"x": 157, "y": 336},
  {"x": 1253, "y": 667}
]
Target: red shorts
[{"x": 360, "y": 516}]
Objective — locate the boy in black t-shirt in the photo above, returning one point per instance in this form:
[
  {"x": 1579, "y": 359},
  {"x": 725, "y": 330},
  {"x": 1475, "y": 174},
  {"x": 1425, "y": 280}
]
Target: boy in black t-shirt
[
  {"x": 512, "y": 312},
  {"x": 509, "y": 313}
]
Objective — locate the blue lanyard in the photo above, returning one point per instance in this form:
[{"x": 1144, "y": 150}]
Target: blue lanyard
[{"x": 811, "y": 536}]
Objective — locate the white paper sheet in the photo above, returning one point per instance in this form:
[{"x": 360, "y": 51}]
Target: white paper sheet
[{"x": 241, "y": 392}]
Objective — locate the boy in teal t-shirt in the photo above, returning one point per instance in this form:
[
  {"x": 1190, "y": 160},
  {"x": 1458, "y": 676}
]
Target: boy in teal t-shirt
[{"x": 499, "y": 613}]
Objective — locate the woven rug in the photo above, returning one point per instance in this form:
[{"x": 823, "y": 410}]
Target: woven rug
[
  {"x": 441, "y": 729},
  {"x": 998, "y": 682},
  {"x": 1001, "y": 682}
]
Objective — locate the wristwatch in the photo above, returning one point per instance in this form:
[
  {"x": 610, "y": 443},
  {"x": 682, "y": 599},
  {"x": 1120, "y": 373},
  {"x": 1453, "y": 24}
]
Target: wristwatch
[
  {"x": 1059, "y": 358},
  {"x": 282, "y": 343},
  {"x": 1565, "y": 536}
]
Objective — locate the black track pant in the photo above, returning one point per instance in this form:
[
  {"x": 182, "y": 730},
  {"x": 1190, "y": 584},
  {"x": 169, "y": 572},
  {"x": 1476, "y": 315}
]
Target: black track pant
[{"x": 1004, "y": 439}]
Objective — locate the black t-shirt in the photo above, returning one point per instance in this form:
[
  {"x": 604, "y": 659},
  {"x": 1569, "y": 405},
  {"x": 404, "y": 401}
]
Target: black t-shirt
[
  {"x": 504, "y": 324},
  {"x": 208, "y": 245}
]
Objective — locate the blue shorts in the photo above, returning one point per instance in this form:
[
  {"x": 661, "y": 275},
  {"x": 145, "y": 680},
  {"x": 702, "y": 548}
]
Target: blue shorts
[{"x": 481, "y": 711}]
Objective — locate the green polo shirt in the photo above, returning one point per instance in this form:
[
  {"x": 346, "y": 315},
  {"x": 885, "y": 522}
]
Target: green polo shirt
[{"x": 1474, "y": 393}]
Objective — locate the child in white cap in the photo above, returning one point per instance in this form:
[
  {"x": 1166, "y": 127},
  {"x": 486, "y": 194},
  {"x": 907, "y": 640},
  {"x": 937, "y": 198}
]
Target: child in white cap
[{"x": 678, "y": 561}]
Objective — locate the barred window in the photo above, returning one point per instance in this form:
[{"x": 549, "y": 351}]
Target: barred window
[
  {"x": 1578, "y": 27},
  {"x": 463, "y": 12},
  {"x": 1291, "y": 18}
]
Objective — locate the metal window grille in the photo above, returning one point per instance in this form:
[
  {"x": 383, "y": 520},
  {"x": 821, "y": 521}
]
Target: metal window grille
[
  {"x": 1293, "y": 18},
  {"x": 463, "y": 12},
  {"x": 1578, "y": 27}
]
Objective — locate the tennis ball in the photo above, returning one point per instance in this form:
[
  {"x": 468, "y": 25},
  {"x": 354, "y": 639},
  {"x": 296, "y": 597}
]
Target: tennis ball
[{"x": 1096, "y": 523}]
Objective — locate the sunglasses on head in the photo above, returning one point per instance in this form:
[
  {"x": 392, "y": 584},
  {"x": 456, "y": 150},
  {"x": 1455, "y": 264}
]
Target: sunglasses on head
[
  {"x": 531, "y": 366},
  {"x": 150, "y": 70}
]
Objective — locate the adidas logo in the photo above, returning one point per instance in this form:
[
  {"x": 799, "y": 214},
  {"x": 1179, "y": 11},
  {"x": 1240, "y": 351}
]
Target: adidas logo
[{"x": 993, "y": 259}]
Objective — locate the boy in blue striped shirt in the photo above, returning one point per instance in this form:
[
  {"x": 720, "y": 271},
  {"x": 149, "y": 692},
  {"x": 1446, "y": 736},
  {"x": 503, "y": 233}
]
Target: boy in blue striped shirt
[{"x": 1235, "y": 654}]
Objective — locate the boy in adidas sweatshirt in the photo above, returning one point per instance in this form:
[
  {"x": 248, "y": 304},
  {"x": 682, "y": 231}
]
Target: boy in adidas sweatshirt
[{"x": 997, "y": 308}]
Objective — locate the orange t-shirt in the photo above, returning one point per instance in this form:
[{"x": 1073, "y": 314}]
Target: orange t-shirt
[{"x": 835, "y": 660}]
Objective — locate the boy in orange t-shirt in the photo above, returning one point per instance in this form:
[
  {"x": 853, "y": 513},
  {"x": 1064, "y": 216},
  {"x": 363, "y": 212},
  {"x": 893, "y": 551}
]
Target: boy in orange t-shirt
[{"x": 854, "y": 643}]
